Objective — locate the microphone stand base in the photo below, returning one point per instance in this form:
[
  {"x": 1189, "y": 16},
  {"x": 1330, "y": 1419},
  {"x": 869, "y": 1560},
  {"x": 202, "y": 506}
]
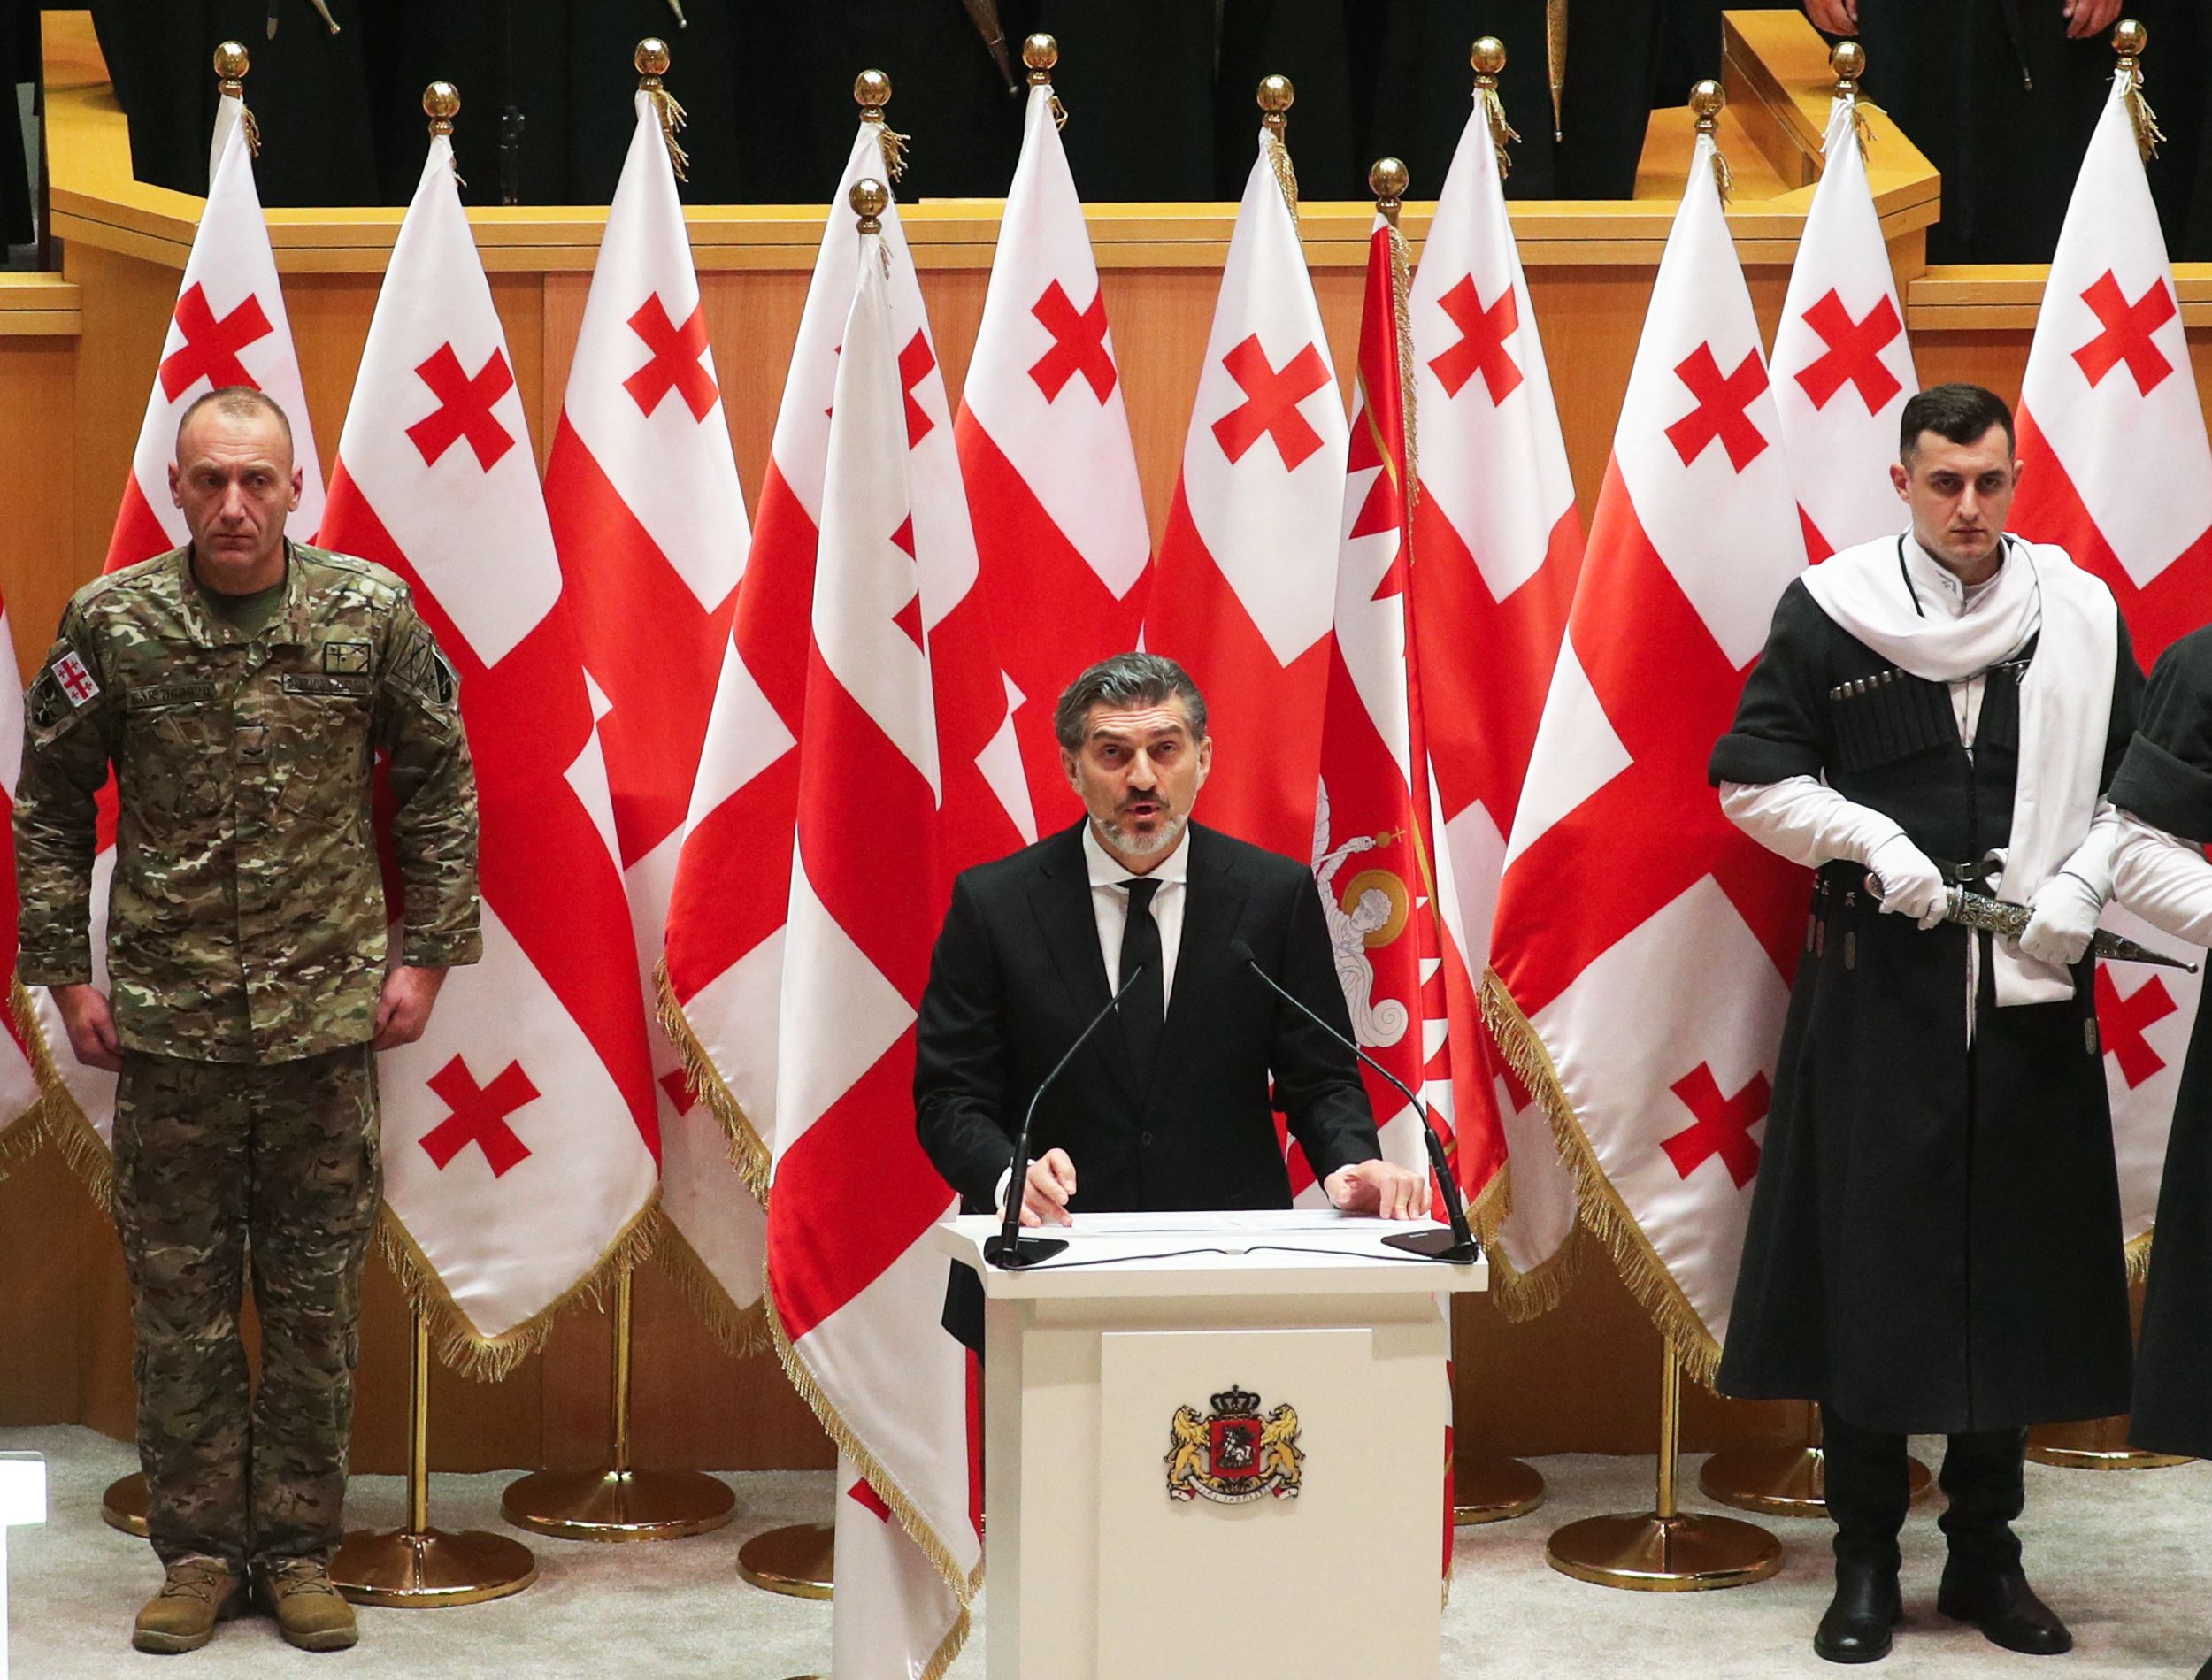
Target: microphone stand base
[
  {"x": 1022, "y": 1253},
  {"x": 1437, "y": 1243}
]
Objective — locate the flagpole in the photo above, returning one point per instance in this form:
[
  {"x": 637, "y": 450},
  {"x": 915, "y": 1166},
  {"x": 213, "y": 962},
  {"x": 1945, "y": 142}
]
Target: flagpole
[
  {"x": 417, "y": 1566},
  {"x": 1667, "y": 1549},
  {"x": 1787, "y": 1480},
  {"x": 618, "y": 1501}
]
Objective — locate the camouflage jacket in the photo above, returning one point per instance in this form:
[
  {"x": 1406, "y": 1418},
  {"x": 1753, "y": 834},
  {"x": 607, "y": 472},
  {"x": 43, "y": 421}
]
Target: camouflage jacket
[{"x": 246, "y": 922}]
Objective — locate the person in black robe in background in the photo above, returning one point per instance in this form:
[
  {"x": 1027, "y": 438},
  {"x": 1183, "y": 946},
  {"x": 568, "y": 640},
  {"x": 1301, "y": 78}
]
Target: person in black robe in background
[{"x": 2164, "y": 792}]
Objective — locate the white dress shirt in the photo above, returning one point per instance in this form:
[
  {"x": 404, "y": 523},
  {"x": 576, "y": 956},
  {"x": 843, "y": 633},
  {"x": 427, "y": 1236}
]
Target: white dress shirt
[{"x": 1109, "y": 905}]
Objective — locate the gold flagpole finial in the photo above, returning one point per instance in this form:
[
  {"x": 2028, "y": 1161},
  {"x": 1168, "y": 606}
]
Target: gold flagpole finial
[
  {"x": 652, "y": 59},
  {"x": 1276, "y": 97},
  {"x": 870, "y": 198},
  {"x": 231, "y": 64},
  {"x": 1707, "y": 101},
  {"x": 1848, "y": 60},
  {"x": 1040, "y": 53},
  {"x": 441, "y": 103},
  {"x": 1388, "y": 180},
  {"x": 871, "y": 90},
  {"x": 2129, "y": 39},
  {"x": 1487, "y": 57}
]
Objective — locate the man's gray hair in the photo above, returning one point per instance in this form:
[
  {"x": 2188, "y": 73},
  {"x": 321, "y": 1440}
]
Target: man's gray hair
[
  {"x": 239, "y": 401},
  {"x": 1125, "y": 680}
]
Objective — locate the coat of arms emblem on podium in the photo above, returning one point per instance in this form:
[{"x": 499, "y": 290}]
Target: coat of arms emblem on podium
[{"x": 1233, "y": 1454}]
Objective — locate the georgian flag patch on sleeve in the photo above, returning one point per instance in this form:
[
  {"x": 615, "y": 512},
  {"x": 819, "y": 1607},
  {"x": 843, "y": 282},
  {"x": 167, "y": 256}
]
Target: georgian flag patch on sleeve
[{"x": 75, "y": 681}]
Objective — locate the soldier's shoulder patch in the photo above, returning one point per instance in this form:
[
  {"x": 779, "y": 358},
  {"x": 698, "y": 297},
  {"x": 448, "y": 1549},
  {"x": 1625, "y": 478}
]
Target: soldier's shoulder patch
[
  {"x": 75, "y": 680},
  {"x": 422, "y": 666}
]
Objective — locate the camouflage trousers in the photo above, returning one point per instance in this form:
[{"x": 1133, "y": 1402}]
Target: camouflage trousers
[{"x": 220, "y": 1165}]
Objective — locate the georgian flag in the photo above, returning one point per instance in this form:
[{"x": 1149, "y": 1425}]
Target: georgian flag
[
  {"x": 20, "y": 1101},
  {"x": 229, "y": 328},
  {"x": 1245, "y": 585},
  {"x": 520, "y": 1139},
  {"x": 1051, "y": 472},
  {"x": 641, "y": 489},
  {"x": 1644, "y": 946},
  {"x": 1843, "y": 369},
  {"x": 726, "y": 936},
  {"x": 2119, "y": 475},
  {"x": 1497, "y": 543},
  {"x": 854, "y": 1291}
]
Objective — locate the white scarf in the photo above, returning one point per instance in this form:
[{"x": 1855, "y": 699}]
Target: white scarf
[{"x": 2065, "y": 696}]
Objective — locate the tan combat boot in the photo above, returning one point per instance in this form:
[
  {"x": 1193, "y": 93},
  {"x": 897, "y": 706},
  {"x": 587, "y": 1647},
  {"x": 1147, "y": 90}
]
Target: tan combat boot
[
  {"x": 308, "y": 1610},
  {"x": 198, "y": 1592}
]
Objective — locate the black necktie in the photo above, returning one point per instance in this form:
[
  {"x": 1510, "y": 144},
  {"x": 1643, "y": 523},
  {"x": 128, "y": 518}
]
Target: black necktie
[{"x": 1144, "y": 1010}]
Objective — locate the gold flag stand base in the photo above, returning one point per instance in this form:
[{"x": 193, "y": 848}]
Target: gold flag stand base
[
  {"x": 124, "y": 1505},
  {"x": 799, "y": 1562},
  {"x": 2100, "y": 1444},
  {"x": 618, "y": 1502},
  {"x": 417, "y": 1566},
  {"x": 1666, "y": 1550},
  {"x": 1785, "y": 1481},
  {"x": 1489, "y": 1487}
]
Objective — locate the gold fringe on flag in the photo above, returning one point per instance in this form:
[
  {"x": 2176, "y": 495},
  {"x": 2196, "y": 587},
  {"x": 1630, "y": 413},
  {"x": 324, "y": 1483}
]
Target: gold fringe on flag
[
  {"x": 964, "y": 1586},
  {"x": 742, "y": 1330},
  {"x": 748, "y": 1152},
  {"x": 491, "y": 1359},
  {"x": 652, "y": 59},
  {"x": 1603, "y": 1209},
  {"x": 65, "y": 1124},
  {"x": 1487, "y": 57},
  {"x": 2139, "y": 1257}
]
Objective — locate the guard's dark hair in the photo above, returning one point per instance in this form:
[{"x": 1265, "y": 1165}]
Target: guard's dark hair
[
  {"x": 235, "y": 399},
  {"x": 1956, "y": 413},
  {"x": 1127, "y": 679}
]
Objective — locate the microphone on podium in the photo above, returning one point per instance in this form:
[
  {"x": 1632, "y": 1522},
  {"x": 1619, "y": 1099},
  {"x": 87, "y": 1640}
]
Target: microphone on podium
[
  {"x": 1457, "y": 1246},
  {"x": 1010, "y": 1250}
]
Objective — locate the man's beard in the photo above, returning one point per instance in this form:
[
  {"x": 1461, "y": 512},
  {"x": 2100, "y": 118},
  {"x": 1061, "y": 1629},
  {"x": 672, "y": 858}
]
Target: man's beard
[{"x": 1162, "y": 839}]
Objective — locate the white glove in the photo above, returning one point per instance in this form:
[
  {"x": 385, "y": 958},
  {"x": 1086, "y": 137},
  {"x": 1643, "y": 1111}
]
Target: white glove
[
  {"x": 1911, "y": 884},
  {"x": 2064, "y": 920}
]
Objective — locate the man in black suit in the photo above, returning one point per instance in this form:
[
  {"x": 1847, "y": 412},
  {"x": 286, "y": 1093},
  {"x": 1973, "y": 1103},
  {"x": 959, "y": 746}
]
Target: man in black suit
[{"x": 1167, "y": 1106}]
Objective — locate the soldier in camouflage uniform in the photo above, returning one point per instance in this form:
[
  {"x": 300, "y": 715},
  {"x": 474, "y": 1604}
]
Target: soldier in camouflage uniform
[{"x": 240, "y": 688}]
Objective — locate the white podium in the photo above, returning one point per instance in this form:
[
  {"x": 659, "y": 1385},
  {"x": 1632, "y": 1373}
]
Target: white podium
[{"x": 1214, "y": 1445}]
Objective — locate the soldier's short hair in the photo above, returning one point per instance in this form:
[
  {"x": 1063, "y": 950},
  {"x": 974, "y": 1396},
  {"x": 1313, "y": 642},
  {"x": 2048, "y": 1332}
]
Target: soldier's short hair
[
  {"x": 1956, "y": 413},
  {"x": 237, "y": 400},
  {"x": 1127, "y": 679}
]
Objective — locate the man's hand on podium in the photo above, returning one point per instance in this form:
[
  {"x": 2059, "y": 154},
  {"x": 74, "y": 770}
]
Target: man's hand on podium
[
  {"x": 1051, "y": 1185},
  {"x": 1378, "y": 1187}
]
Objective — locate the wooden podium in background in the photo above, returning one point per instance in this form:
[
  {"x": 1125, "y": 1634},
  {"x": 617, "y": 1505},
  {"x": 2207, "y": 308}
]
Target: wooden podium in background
[{"x": 78, "y": 351}]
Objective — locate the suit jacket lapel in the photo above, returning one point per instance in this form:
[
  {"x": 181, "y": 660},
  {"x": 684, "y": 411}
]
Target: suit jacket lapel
[
  {"x": 1213, "y": 904},
  {"x": 1061, "y": 901}
]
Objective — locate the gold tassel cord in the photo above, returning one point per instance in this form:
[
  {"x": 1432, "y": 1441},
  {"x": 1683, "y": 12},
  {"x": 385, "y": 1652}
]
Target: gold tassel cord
[
  {"x": 672, "y": 116},
  {"x": 2148, "y": 136},
  {"x": 748, "y": 1153},
  {"x": 1724, "y": 177},
  {"x": 894, "y": 145},
  {"x": 1286, "y": 177},
  {"x": 964, "y": 1585},
  {"x": 491, "y": 1359},
  {"x": 252, "y": 126},
  {"x": 1401, "y": 304},
  {"x": 1602, "y": 1211},
  {"x": 1501, "y": 132}
]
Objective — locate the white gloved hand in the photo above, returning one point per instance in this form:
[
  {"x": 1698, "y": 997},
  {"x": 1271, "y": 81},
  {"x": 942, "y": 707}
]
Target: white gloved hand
[
  {"x": 1911, "y": 884},
  {"x": 2064, "y": 920}
]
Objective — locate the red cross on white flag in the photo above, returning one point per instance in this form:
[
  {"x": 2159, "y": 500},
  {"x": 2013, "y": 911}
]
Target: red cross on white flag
[
  {"x": 1497, "y": 543},
  {"x": 1045, "y": 447},
  {"x": 520, "y": 1142},
  {"x": 2119, "y": 475},
  {"x": 1246, "y": 581},
  {"x": 641, "y": 487},
  {"x": 1843, "y": 369},
  {"x": 1643, "y": 948}
]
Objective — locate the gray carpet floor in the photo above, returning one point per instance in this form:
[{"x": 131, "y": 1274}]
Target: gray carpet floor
[{"x": 2127, "y": 1558}]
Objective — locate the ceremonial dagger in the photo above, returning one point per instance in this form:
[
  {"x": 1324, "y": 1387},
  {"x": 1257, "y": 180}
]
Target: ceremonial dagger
[{"x": 2008, "y": 920}]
